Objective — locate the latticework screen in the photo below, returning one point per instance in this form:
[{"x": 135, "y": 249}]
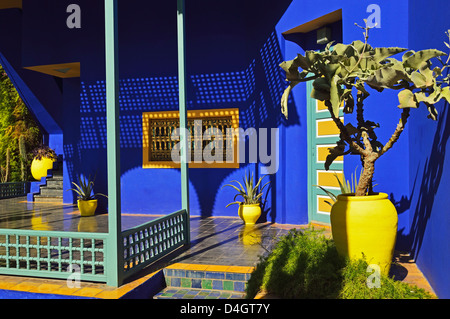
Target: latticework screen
[
  {"x": 211, "y": 132},
  {"x": 55, "y": 253}
]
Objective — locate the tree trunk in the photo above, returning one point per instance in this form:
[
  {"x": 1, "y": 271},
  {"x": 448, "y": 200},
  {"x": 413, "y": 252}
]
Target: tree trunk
[{"x": 366, "y": 176}]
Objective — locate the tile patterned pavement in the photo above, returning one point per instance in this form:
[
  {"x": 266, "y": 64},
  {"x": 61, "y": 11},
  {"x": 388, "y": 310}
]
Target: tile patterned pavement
[
  {"x": 205, "y": 281},
  {"x": 215, "y": 241}
]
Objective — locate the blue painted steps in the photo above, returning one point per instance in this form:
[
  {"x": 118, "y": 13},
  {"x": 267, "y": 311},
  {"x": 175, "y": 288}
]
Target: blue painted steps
[{"x": 49, "y": 188}]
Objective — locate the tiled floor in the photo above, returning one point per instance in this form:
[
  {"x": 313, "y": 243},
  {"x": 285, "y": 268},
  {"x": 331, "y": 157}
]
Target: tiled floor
[
  {"x": 226, "y": 241},
  {"x": 218, "y": 242},
  {"x": 17, "y": 213}
]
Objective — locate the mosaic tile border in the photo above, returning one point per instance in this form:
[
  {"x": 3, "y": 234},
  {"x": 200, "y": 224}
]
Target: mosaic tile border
[{"x": 210, "y": 277}]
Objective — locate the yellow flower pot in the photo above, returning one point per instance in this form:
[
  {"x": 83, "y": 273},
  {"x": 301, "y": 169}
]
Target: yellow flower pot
[
  {"x": 365, "y": 225},
  {"x": 249, "y": 213},
  {"x": 87, "y": 207},
  {"x": 40, "y": 167}
]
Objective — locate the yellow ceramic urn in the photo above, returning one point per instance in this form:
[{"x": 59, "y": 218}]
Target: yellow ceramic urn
[
  {"x": 87, "y": 207},
  {"x": 40, "y": 167},
  {"x": 249, "y": 213},
  {"x": 365, "y": 226}
]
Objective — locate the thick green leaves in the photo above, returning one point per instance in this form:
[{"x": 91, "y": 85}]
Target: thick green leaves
[
  {"x": 380, "y": 54},
  {"x": 335, "y": 152},
  {"x": 406, "y": 99},
  {"x": 416, "y": 59},
  {"x": 335, "y": 72},
  {"x": 335, "y": 94}
]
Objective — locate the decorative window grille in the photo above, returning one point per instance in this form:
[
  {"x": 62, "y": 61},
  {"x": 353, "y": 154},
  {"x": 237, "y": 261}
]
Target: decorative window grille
[{"x": 212, "y": 129}]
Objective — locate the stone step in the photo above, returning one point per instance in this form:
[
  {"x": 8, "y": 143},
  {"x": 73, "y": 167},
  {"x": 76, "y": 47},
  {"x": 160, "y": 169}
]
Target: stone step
[
  {"x": 209, "y": 281},
  {"x": 46, "y": 199},
  {"x": 48, "y": 191},
  {"x": 184, "y": 293},
  {"x": 55, "y": 178},
  {"x": 54, "y": 184}
]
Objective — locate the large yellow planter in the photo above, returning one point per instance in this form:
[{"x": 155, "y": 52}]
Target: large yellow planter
[
  {"x": 40, "y": 167},
  {"x": 365, "y": 225},
  {"x": 249, "y": 213},
  {"x": 87, "y": 207}
]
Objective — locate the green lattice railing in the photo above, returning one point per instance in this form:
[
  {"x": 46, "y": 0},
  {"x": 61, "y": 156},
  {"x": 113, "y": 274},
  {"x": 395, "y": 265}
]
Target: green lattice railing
[
  {"x": 53, "y": 254},
  {"x": 56, "y": 254},
  {"x": 16, "y": 189},
  {"x": 149, "y": 242}
]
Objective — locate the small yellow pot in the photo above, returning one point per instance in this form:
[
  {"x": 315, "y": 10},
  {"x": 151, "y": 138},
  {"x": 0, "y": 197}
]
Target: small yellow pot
[
  {"x": 40, "y": 167},
  {"x": 87, "y": 207},
  {"x": 249, "y": 213},
  {"x": 365, "y": 225}
]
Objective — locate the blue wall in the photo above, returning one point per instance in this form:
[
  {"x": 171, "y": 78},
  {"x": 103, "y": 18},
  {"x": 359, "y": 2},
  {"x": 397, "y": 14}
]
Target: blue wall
[
  {"x": 429, "y": 161},
  {"x": 229, "y": 65},
  {"x": 413, "y": 173},
  {"x": 233, "y": 57}
]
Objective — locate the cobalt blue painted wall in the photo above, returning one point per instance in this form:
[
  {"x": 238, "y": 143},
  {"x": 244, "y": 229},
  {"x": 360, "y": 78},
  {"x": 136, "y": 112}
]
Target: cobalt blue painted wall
[
  {"x": 394, "y": 15},
  {"x": 233, "y": 58},
  {"x": 229, "y": 65},
  {"x": 429, "y": 159}
]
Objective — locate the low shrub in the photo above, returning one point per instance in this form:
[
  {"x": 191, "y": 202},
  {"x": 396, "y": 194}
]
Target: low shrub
[{"x": 305, "y": 264}]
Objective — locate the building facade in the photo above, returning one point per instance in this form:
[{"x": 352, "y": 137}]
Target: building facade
[{"x": 54, "y": 53}]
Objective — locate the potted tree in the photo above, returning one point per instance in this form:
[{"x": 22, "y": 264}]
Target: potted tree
[
  {"x": 366, "y": 222},
  {"x": 43, "y": 158},
  {"x": 250, "y": 207},
  {"x": 87, "y": 202}
]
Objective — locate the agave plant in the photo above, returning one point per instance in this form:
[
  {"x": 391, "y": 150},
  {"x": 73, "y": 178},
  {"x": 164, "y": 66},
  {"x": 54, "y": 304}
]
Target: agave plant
[
  {"x": 252, "y": 193},
  {"x": 340, "y": 71},
  {"x": 346, "y": 187},
  {"x": 84, "y": 188}
]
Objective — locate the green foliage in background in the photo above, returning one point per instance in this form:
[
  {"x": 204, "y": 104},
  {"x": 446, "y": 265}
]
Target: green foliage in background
[{"x": 15, "y": 121}]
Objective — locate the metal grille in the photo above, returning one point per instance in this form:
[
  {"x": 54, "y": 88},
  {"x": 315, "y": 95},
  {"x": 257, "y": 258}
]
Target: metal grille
[
  {"x": 161, "y": 143},
  {"x": 52, "y": 254},
  {"x": 147, "y": 243},
  {"x": 9, "y": 190}
]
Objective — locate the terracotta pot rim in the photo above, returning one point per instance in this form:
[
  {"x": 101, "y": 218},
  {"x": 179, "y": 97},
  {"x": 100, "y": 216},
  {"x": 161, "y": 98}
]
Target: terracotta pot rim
[{"x": 351, "y": 197}]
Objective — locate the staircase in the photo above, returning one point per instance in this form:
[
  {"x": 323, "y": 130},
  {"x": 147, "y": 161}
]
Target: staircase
[
  {"x": 186, "y": 281},
  {"x": 50, "y": 188},
  {"x": 52, "y": 191}
]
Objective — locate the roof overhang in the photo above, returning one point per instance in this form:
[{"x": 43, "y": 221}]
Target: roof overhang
[
  {"x": 10, "y": 4},
  {"x": 63, "y": 70},
  {"x": 317, "y": 23}
]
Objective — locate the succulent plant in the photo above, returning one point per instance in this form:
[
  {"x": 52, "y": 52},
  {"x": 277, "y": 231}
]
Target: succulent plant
[
  {"x": 84, "y": 188},
  {"x": 252, "y": 193},
  {"x": 341, "y": 70}
]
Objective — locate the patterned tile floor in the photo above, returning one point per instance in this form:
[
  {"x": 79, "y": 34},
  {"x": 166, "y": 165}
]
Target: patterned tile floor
[
  {"x": 17, "y": 213},
  {"x": 214, "y": 241},
  {"x": 226, "y": 241},
  {"x": 182, "y": 293}
]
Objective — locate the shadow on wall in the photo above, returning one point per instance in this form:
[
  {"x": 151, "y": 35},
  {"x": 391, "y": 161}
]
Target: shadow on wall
[
  {"x": 431, "y": 180},
  {"x": 256, "y": 91}
]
